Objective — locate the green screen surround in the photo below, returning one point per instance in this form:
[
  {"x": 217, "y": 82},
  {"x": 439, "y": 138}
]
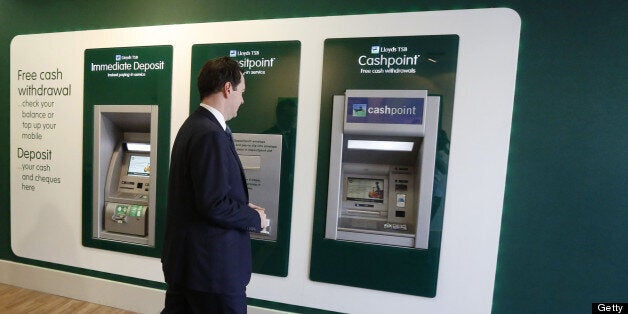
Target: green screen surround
[
  {"x": 257, "y": 116},
  {"x": 563, "y": 229},
  {"x": 394, "y": 269},
  {"x": 153, "y": 89}
]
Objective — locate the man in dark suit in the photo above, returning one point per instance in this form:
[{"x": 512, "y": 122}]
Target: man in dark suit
[{"x": 207, "y": 248}]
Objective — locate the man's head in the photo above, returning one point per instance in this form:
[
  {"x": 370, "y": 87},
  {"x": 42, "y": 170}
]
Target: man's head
[
  {"x": 222, "y": 78},
  {"x": 215, "y": 73}
]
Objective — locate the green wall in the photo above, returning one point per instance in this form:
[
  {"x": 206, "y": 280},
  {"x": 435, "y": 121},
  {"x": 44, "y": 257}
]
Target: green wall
[{"x": 564, "y": 235}]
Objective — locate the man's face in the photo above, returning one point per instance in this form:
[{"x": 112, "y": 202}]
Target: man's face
[{"x": 236, "y": 99}]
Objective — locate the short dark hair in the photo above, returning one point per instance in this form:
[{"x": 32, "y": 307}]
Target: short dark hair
[{"x": 215, "y": 73}]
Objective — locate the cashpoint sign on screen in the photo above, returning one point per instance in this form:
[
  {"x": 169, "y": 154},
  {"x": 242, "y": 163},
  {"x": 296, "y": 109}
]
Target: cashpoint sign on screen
[{"x": 385, "y": 110}]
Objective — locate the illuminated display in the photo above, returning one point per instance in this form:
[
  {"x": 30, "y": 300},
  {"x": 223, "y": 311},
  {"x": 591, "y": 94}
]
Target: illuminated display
[
  {"x": 365, "y": 190},
  {"x": 139, "y": 166}
]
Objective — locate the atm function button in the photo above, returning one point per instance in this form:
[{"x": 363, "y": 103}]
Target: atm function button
[{"x": 401, "y": 200}]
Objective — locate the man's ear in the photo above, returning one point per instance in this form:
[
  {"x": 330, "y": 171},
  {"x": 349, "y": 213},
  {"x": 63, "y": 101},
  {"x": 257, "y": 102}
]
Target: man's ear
[{"x": 226, "y": 89}]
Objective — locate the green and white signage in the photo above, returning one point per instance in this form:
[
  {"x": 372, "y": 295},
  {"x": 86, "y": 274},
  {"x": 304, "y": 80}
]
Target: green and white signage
[
  {"x": 266, "y": 125},
  {"x": 385, "y": 63},
  {"x": 126, "y": 76}
]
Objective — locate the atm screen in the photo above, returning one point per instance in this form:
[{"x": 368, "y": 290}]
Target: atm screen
[
  {"x": 365, "y": 190},
  {"x": 139, "y": 166}
]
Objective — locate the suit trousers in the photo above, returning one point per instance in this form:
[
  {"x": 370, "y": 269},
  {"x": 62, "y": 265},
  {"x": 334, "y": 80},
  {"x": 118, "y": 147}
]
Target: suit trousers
[{"x": 182, "y": 300}]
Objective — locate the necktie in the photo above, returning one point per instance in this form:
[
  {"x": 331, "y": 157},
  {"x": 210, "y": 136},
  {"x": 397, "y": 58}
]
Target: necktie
[{"x": 229, "y": 134}]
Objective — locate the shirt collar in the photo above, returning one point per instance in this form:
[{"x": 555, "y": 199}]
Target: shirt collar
[{"x": 217, "y": 114}]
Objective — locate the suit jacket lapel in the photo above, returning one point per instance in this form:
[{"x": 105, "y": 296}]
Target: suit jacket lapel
[
  {"x": 213, "y": 119},
  {"x": 237, "y": 157}
]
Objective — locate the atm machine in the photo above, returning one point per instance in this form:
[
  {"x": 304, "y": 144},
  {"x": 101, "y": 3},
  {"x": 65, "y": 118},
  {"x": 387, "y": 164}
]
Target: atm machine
[
  {"x": 381, "y": 172},
  {"x": 125, "y": 140}
]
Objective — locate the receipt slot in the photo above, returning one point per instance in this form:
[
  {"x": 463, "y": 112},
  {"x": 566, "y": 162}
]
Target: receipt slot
[
  {"x": 381, "y": 172},
  {"x": 125, "y": 140}
]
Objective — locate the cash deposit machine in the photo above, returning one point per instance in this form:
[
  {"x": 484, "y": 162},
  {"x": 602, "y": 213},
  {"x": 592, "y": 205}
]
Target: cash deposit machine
[
  {"x": 381, "y": 171},
  {"x": 125, "y": 140}
]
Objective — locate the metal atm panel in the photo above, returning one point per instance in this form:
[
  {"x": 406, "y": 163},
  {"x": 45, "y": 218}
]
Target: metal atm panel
[
  {"x": 260, "y": 155},
  {"x": 382, "y": 168},
  {"x": 125, "y": 151}
]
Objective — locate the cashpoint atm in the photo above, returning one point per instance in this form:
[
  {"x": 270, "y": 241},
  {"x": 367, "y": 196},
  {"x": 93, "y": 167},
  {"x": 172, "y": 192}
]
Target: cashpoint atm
[
  {"x": 125, "y": 150},
  {"x": 381, "y": 171}
]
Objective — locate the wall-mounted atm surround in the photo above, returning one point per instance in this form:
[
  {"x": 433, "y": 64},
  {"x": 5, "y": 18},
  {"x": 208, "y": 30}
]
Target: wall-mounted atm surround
[
  {"x": 265, "y": 136},
  {"x": 346, "y": 232},
  {"x": 127, "y": 100},
  {"x": 125, "y": 150},
  {"x": 382, "y": 167}
]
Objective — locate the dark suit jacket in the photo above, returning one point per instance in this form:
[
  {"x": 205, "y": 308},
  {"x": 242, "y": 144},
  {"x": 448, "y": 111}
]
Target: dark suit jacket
[{"x": 207, "y": 246}]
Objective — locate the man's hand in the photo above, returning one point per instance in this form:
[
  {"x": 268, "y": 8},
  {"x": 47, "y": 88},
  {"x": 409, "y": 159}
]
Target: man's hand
[{"x": 262, "y": 214}]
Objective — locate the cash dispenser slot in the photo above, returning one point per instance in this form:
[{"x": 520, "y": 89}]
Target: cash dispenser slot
[
  {"x": 125, "y": 153},
  {"x": 382, "y": 167}
]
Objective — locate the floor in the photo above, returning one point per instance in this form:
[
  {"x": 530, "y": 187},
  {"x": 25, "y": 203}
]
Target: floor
[{"x": 18, "y": 300}]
